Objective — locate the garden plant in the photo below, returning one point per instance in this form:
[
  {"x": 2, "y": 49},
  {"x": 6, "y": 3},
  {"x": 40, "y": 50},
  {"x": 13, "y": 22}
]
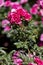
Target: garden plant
[{"x": 21, "y": 32}]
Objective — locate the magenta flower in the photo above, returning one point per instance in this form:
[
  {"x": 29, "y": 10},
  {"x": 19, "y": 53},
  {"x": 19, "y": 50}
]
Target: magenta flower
[
  {"x": 23, "y": 13},
  {"x": 38, "y": 61},
  {"x": 1, "y": 3},
  {"x": 15, "y": 18},
  {"x": 23, "y": 1},
  {"x": 41, "y": 37},
  {"x": 15, "y": 5},
  {"x": 40, "y": 2},
  {"x": 40, "y": 43},
  {"x": 7, "y": 28},
  {"x": 16, "y": 59},
  {"x": 33, "y": 11},
  {"x": 7, "y": 3},
  {"x": 27, "y": 16},
  {"x": 5, "y": 23},
  {"x": 41, "y": 12},
  {"x": 16, "y": 53},
  {"x": 36, "y": 6},
  {"x": 16, "y": 15}
]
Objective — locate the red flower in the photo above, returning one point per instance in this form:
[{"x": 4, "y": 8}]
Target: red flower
[
  {"x": 38, "y": 61},
  {"x": 23, "y": 13},
  {"x": 16, "y": 15}
]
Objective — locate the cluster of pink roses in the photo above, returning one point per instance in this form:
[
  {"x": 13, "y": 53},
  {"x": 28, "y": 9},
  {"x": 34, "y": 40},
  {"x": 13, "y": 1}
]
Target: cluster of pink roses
[
  {"x": 37, "y": 9},
  {"x": 16, "y": 14},
  {"x": 9, "y": 3}
]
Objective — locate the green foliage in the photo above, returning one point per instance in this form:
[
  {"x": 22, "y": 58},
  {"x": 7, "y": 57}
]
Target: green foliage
[
  {"x": 38, "y": 51},
  {"x": 25, "y": 36},
  {"x": 5, "y": 58}
]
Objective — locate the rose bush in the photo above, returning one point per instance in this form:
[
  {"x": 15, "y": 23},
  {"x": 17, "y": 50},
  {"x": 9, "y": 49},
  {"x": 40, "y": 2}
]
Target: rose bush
[{"x": 22, "y": 25}]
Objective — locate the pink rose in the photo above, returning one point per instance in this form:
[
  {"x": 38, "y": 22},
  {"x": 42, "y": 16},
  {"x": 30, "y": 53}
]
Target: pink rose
[
  {"x": 1, "y": 3},
  {"x": 36, "y": 6},
  {"x": 15, "y": 5},
  {"x": 27, "y": 16},
  {"x": 41, "y": 37},
  {"x": 38, "y": 61},
  {"x": 16, "y": 59},
  {"x": 7, "y": 28},
  {"x": 40, "y": 43},
  {"x": 23, "y": 13},
  {"x": 16, "y": 53},
  {"x": 40, "y": 3},
  {"x": 33, "y": 11},
  {"x": 7, "y": 3},
  {"x": 5, "y": 23},
  {"x": 41, "y": 12},
  {"x": 15, "y": 18}
]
